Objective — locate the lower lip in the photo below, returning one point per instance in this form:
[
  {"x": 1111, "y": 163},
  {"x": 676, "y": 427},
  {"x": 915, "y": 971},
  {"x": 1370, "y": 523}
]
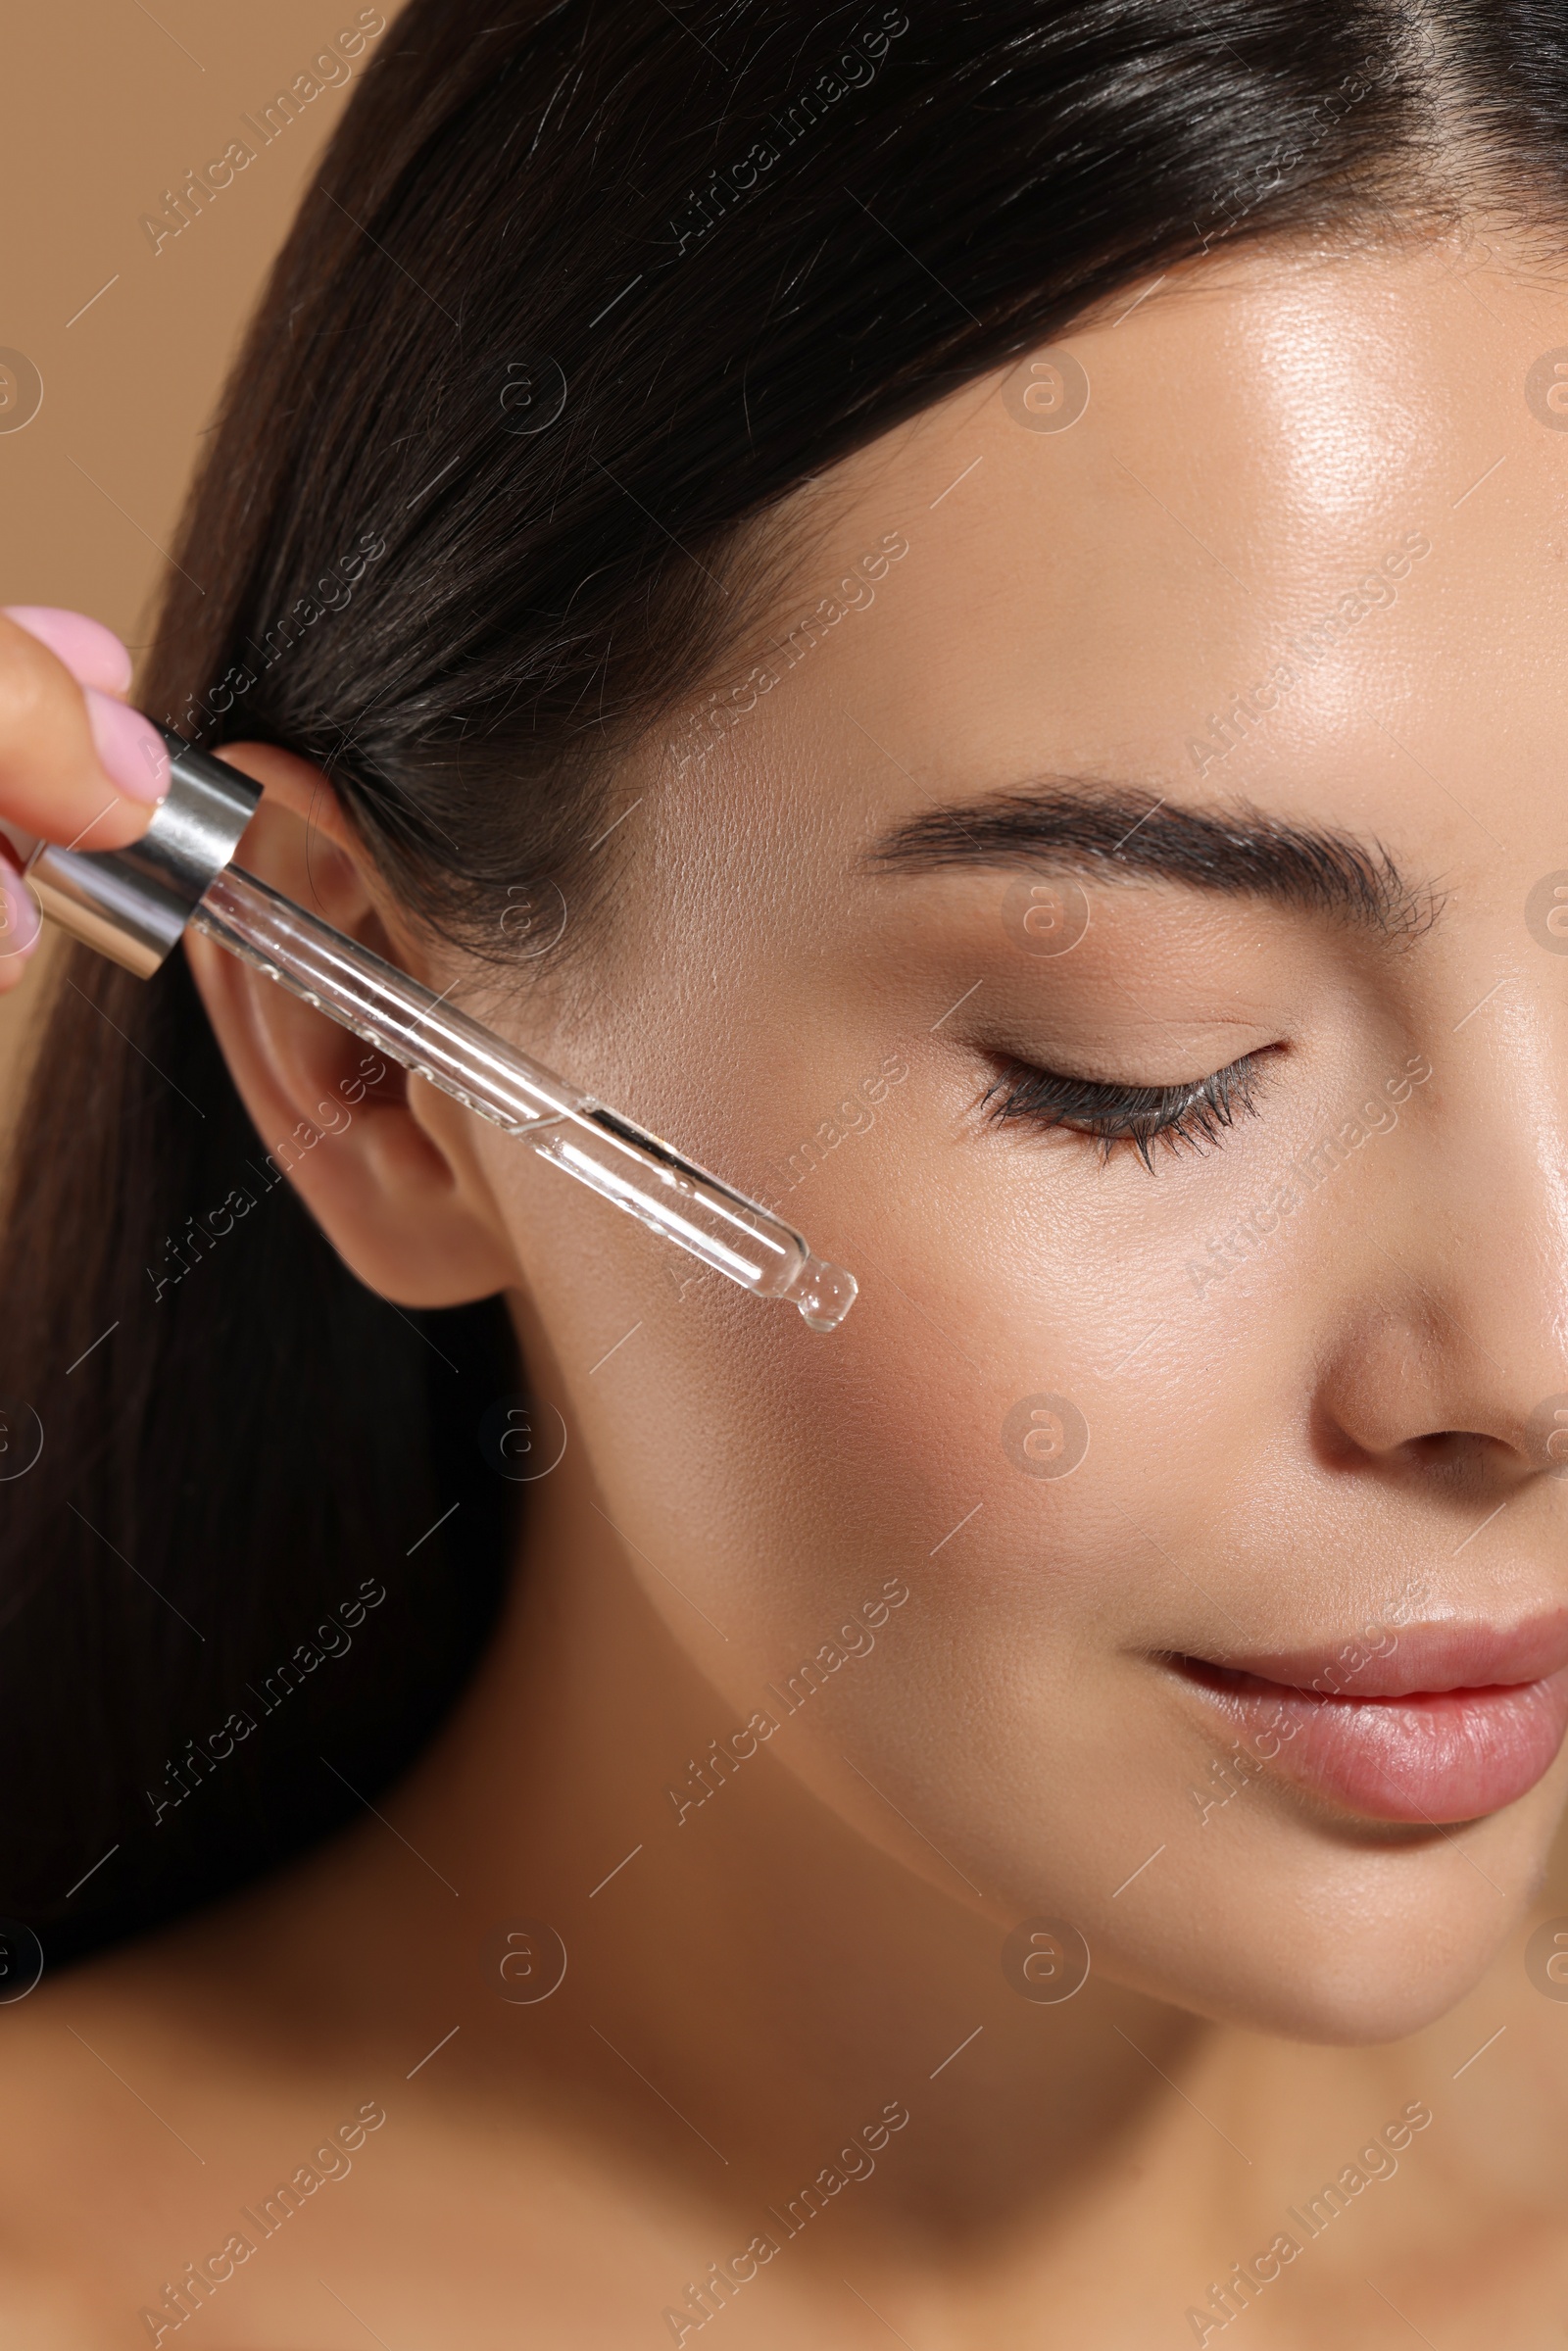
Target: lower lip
[{"x": 1436, "y": 1756}]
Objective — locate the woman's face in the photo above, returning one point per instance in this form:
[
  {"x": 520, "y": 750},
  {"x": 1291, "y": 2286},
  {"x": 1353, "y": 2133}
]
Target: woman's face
[{"x": 1276, "y": 1402}]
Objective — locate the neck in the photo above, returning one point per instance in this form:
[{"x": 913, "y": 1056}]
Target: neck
[{"x": 755, "y": 1994}]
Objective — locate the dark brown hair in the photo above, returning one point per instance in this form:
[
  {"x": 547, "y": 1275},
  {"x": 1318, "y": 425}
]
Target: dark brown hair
[{"x": 585, "y": 291}]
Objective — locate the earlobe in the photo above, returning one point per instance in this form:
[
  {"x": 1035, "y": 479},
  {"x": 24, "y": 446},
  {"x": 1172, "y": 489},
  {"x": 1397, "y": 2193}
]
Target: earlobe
[{"x": 402, "y": 1200}]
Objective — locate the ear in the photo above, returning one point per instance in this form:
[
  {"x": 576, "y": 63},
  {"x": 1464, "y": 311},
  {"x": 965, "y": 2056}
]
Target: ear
[{"x": 388, "y": 1175}]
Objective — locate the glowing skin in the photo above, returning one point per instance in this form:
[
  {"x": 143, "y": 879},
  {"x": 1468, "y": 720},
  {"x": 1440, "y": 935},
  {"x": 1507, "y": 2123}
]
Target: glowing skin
[
  {"x": 1310, "y": 1402},
  {"x": 1270, "y": 1460}
]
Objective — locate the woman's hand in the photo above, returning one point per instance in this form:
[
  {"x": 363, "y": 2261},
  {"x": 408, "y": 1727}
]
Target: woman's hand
[{"x": 78, "y": 765}]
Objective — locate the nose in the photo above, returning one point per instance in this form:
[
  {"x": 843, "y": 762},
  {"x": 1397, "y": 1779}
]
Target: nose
[{"x": 1448, "y": 1366}]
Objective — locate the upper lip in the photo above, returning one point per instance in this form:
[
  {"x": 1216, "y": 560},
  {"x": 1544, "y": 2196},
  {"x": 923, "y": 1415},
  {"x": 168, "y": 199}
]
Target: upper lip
[{"x": 1402, "y": 1659}]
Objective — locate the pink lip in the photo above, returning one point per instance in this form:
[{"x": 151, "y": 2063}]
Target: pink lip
[{"x": 1438, "y": 1723}]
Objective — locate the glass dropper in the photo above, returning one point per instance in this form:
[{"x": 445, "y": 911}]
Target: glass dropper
[
  {"x": 134, "y": 904},
  {"x": 573, "y": 1130}
]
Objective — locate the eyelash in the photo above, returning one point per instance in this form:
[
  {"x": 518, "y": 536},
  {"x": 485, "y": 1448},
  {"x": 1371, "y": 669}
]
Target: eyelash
[{"x": 1194, "y": 1114}]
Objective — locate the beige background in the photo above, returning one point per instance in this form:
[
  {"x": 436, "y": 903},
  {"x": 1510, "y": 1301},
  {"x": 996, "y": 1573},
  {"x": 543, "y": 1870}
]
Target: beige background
[{"x": 105, "y": 104}]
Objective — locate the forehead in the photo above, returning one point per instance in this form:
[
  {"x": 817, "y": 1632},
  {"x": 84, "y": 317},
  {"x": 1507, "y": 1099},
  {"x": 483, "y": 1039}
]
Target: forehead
[{"x": 1292, "y": 527}]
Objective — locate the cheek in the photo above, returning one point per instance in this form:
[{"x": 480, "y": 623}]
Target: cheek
[
  {"x": 782, "y": 1477},
  {"x": 959, "y": 1425},
  {"x": 1001, "y": 1422}
]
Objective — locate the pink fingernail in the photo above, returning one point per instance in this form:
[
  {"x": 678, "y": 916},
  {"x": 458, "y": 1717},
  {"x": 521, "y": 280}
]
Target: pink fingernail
[
  {"x": 129, "y": 746},
  {"x": 19, "y": 916},
  {"x": 93, "y": 654}
]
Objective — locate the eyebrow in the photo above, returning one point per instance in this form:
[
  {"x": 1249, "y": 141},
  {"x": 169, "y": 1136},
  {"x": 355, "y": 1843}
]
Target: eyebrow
[{"x": 1089, "y": 825}]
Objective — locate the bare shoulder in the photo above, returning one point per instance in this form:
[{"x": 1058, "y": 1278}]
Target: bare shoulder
[
  {"x": 85, "y": 2062},
  {"x": 170, "y": 2147}
]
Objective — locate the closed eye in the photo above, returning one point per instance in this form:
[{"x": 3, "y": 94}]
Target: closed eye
[{"x": 1194, "y": 1113}]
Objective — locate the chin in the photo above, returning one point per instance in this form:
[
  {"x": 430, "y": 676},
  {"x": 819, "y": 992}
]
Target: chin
[
  {"x": 1384, "y": 1991},
  {"x": 1359, "y": 1940}
]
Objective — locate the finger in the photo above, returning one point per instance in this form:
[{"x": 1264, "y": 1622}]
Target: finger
[
  {"x": 130, "y": 750},
  {"x": 77, "y": 765},
  {"x": 93, "y": 654},
  {"x": 19, "y": 924}
]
